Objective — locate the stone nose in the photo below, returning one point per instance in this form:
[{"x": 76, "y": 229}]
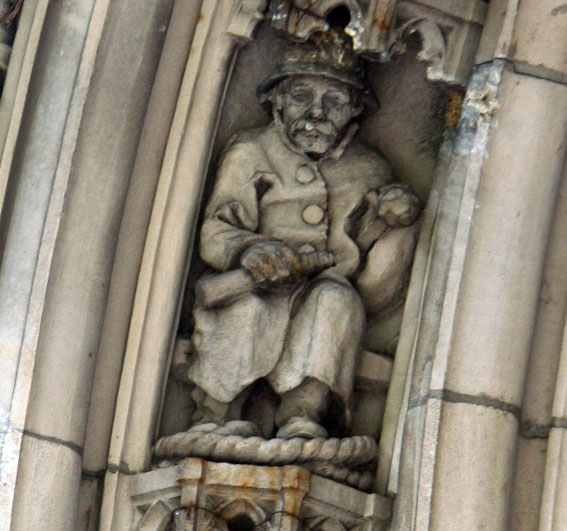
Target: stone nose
[{"x": 316, "y": 110}]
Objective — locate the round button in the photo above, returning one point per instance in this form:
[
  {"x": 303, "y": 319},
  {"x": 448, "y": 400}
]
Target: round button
[
  {"x": 313, "y": 214},
  {"x": 306, "y": 248},
  {"x": 304, "y": 174}
]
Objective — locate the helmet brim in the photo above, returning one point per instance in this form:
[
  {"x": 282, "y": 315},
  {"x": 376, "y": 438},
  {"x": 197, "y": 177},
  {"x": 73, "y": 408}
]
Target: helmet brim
[{"x": 370, "y": 102}]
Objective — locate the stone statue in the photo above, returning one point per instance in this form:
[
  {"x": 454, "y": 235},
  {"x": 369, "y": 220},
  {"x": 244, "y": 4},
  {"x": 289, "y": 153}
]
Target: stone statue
[{"x": 298, "y": 213}]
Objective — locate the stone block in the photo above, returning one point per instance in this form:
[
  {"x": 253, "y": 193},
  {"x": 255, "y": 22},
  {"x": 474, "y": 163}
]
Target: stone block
[
  {"x": 197, "y": 494},
  {"x": 475, "y": 460},
  {"x": 493, "y": 324},
  {"x": 528, "y": 484},
  {"x": 537, "y": 34},
  {"x": 50, "y": 467}
]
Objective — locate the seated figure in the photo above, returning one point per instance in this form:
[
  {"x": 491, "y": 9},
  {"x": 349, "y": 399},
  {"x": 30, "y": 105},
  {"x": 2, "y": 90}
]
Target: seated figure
[{"x": 301, "y": 189}]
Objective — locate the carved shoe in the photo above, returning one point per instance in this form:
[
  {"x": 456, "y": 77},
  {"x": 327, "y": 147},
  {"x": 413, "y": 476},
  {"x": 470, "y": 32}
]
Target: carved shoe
[{"x": 301, "y": 427}]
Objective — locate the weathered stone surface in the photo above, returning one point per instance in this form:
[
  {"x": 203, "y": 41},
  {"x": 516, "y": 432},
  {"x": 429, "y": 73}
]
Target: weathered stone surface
[
  {"x": 197, "y": 494},
  {"x": 289, "y": 316}
]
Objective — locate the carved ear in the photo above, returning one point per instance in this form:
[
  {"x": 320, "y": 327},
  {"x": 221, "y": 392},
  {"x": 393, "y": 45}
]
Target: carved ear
[
  {"x": 365, "y": 101},
  {"x": 269, "y": 100},
  {"x": 357, "y": 110}
]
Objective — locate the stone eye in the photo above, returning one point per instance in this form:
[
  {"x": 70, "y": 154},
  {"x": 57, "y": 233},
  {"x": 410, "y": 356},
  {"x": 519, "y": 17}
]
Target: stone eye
[
  {"x": 301, "y": 97},
  {"x": 335, "y": 101}
]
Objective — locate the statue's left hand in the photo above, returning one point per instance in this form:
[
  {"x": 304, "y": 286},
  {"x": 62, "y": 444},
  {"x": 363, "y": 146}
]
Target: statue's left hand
[{"x": 398, "y": 205}]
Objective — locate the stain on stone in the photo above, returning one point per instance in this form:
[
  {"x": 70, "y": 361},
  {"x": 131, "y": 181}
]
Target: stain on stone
[
  {"x": 532, "y": 430},
  {"x": 559, "y": 422},
  {"x": 122, "y": 468},
  {"x": 454, "y": 107},
  {"x": 381, "y": 24},
  {"x": 559, "y": 10}
]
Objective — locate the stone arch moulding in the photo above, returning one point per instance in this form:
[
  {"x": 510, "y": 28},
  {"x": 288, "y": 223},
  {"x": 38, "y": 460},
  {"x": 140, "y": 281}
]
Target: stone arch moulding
[
  {"x": 169, "y": 241},
  {"x": 171, "y": 233}
]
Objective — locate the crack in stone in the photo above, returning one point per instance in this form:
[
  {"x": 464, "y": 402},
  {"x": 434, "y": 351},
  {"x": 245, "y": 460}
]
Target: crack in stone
[
  {"x": 447, "y": 395},
  {"x": 559, "y": 422},
  {"x": 528, "y": 429},
  {"x": 122, "y": 468},
  {"x": 533, "y": 430},
  {"x": 526, "y": 69},
  {"x": 94, "y": 473},
  {"x": 559, "y": 10},
  {"x": 55, "y": 440},
  {"x": 486, "y": 401}
]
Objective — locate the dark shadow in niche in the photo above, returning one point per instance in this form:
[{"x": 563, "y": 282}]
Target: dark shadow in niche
[
  {"x": 407, "y": 129},
  {"x": 241, "y": 523},
  {"x": 339, "y": 17}
]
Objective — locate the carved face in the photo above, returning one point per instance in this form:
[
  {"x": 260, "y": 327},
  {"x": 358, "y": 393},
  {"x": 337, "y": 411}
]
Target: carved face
[{"x": 315, "y": 111}]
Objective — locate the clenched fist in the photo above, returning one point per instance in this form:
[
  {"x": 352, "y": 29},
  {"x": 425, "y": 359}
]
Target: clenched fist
[
  {"x": 271, "y": 262},
  {"x": 398, "y": 205}
]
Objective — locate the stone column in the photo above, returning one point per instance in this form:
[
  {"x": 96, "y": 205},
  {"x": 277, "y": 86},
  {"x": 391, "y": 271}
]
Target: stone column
[
  {"x": 223, "y": 27},
  {"x": 68, "y": 180},
  {"x": 462, "y": 427},
  {"x": 34, "y": 123},
  {"x": 130, "y": 246},
  {"x": 542, "y": 378},
  {"x": 553, "y": 511}
]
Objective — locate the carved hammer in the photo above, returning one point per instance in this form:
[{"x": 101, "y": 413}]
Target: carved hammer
[{"x": 220, "y": 289}]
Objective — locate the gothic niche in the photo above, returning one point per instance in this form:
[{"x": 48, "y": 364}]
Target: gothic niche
[{"x": 295, "y": 292}]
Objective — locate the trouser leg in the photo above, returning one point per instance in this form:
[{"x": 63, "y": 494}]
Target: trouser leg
[
  {"x": 310, "y": 400},
  {"x": 320, "y": 353},
  {"x": 300, "y": 411},
  {"x": 210, "y": 410}
]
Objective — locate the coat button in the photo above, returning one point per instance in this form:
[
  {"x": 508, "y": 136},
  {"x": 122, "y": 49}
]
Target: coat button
[
  {"x": 304, "y": 174},
  {"x": 313, "y": 214}
]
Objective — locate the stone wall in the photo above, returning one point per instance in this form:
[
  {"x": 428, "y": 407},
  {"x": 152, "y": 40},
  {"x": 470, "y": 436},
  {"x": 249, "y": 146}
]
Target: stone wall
[{"x": 110, "y": 117}]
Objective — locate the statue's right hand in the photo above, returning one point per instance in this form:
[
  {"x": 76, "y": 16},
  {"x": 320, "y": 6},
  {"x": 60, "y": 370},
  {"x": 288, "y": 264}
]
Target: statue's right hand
[{"x": 271, "y": 262}]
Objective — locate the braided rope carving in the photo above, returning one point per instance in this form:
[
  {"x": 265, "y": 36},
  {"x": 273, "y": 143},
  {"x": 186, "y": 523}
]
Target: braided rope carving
[
  {"x": 359, "y": 479},
  {"x": 332, "y": 458}
]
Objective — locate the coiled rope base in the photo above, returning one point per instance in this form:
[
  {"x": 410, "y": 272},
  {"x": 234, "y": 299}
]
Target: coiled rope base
[{"x": 349, "y": 460}]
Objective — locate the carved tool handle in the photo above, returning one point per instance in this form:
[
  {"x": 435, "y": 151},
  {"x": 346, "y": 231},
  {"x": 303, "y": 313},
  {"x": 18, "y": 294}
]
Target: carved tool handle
[{"x": 218, "y": 290}]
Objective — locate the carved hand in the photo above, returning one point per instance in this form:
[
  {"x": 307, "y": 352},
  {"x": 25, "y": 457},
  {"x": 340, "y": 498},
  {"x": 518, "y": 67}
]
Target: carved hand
[
  {"x": 398, "y": 205},
  {"x": 271, "y": 262}
]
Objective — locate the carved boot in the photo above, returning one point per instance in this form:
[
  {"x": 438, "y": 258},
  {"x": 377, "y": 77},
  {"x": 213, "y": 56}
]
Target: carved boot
[
  {"x": 302, "y": 427},
  {"x": 300, "y": 411},
  {"x": 211, "y": 415}
]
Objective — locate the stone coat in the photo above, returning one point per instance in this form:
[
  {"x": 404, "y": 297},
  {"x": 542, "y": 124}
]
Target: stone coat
[{"x": 267, "y": 190}]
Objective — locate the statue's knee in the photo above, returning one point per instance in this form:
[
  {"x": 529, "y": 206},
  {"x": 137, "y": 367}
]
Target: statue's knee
[{"x": 338, "y": 296}]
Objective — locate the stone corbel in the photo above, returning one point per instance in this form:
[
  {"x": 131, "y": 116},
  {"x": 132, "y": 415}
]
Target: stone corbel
[
  {"x": 433, "y": 46},
  {"x": 246, "y": 16},
  {"x": 195, "y": 494},
  {"x": 449, "y": 34}
]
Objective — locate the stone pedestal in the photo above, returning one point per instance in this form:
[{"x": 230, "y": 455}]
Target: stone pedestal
[{"x": 197, "y": 495}]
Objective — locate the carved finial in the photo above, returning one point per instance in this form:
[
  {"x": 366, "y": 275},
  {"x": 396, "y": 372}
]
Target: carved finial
[{"x": 246, "y": 17}]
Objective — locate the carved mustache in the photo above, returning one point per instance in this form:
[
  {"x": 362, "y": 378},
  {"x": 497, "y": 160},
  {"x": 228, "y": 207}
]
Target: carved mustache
[{"x": 303, "y": 124}]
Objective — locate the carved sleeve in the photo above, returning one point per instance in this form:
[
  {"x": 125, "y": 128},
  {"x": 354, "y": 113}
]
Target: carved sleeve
[
  {"x": 231, "y": 217},
  {"x": 385, "y": 275}
]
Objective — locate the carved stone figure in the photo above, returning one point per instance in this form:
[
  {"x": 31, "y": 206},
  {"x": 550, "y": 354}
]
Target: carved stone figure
[{"x": 294, "y": 232}]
